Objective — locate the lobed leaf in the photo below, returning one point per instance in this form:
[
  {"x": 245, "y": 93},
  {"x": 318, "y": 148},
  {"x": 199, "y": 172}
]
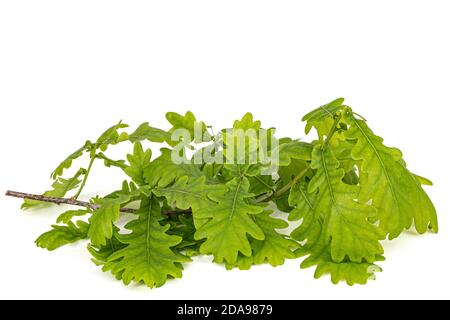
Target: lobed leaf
[
  {"x": 148, "y": 256},
  {"x": 63, "y": 235},
  {"x": 394, "y": 191}
]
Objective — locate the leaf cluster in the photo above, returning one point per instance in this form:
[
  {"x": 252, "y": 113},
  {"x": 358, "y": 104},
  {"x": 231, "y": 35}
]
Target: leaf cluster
[{"x": 345, "y": 190}]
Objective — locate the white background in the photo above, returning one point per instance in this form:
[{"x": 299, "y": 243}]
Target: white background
[{"x": 69, "y": 69}]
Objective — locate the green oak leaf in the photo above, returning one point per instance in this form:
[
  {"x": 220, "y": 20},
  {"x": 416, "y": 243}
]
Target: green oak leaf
[
  {"x": 350, "y": 272},
  {"x": 146, "y": 132},
  {"x": 101, "y": 254},
  {"x": 163, "y": 171},
  {"x": 261, "y": 184},
  {"x": 229, "y": 223},
  {"x": 67, "y": 163},
  {"x": 111, "y": 163},
  {"x": 274, "y": 249},
  {"x": 60, "y": 188},
  {"x": 112, "y": 136},
  {"x": 286, "y": 176},
  {"x": 188, "y": 122},
  {"x": 148, "y": 256},
  {"x": 193, "y": 194},
  {"x": 182, "y": 225},
  {"x": 103, "y": 218},
  {"x": 138, "y": 162},
  {"x": 394, "y": 191},
  {"x": 346, "y": 221},
  {"x": 247, "y": 123},
  {"x": 322, "y": 117},
  {"x": 295, "y": 150},
  {"x": 70, "y": 214},
  {"x": 62, "y": 235}
]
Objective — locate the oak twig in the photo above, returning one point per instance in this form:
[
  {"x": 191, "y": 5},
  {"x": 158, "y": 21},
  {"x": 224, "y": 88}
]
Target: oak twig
[{"x": 79, "y": 203}]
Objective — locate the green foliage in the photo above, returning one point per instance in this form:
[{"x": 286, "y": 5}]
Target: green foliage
[
  {"x": 138, "y": 161},
  {"x": 67, "y": 163},
  {"x": 70, "y": 214},
  {"x": 229, "y": 223},
  {"x": 146, "y": 132},
  {"x": 60, "y": 188},
  {"x": 103, "y": 218},
  {"x": 62, "y": 235},
  {"x": 112, "y": 136},
  {"x": 345, "y": 221},
  {"x": 395, "y": 192},
  {"x": 346, "y": 192},
  {"x": 188, "y": 122},
  {"x": 148, "y": 256}
]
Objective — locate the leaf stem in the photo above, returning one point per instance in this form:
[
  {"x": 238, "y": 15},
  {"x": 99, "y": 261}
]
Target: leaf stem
[
  {"x": 357, "y": 114},
  {"x": 86, "y": 176},
  {"x": 333, "y": 130},
  {"x": 287, "y": 187}
]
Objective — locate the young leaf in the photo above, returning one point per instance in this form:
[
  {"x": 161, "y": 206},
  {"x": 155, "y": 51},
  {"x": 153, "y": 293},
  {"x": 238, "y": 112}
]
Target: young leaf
[
  {"x": 111, "y": 163},
  {"x": 295, "y": 150},
  {"x": 346, "y": 220},
  {"x": 60, "y": 188},
  {"x": 102, "y": 219},
  {"x": 395, "y": 192},
  {"x": 304, "y": 205},
  {"x": 322, "y": 117},
  {"x": 247, "y": 123},
  {"x": 148, "y": 256},
  {"x": 260, "y": 184},
  {"x": 138, "y": 161},
  {"x": 229, "y": 223},
  {"x": 350, "y": 272},
  {"x": 146, "y": 132},
  {"x": 101, "y": 254},
  {"x": 67, "y": 163},
  {"x": 274, "y": 249},
  {"x": 67, "y": 216},
  {"x": 188, "y": 122},
  {"x": 182, "y": 225},
  {"x": 111, "y": 136},
  {"x": 286, "y": 176},
  {"x": 193, "y": 194},
  {"x": 163, "y": 171},
  {"x": 62, "y": 235}
]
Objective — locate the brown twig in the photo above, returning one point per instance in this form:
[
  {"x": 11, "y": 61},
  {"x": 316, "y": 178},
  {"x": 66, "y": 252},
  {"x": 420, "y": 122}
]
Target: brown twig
[{"x": 74, "y": 202}]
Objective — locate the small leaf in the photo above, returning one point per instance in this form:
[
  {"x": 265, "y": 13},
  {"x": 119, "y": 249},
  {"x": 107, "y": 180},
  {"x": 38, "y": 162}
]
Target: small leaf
[
  {"x": 62, "y": 235},
  {"x": 322, "y": 117},
  {"x": 146, "y": 132},
  {"x": 294, "y": 150},
  {"x": 60, "y": 188},
  {"x": 67, "y": 163},
  {"x": 188, "y": 122},
  {"x": 276, "y": 247},
  {"x": 247, "y": 123},
  {"x": 163, "y": 171},
  {"x": 67, "y": 216},
  {"x": 111, "y": 136},
  {"x": 101, "y": 254},
  {"x": 350, "y": 272},
  {"x": 139, "y": 161},
  {"x": 111, "y": 163}
]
